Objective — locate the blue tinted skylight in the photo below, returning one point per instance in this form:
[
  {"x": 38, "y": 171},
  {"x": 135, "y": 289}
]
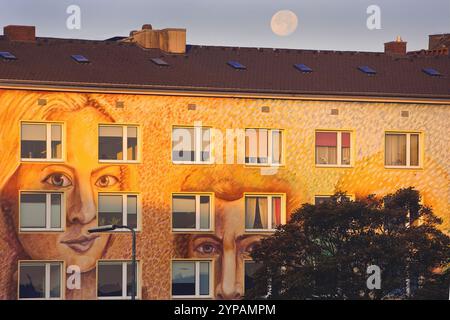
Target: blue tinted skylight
[
  {"x": 7, "y": 55},
  {"x": 303, "y": 67},
  {"x": 367, "y": 70},
  {"x": 236, "y": 65},
  {"x": 80, "y": 58},
  {"x": 160, "y": 62},
  {"x": 432, "y": 72}
]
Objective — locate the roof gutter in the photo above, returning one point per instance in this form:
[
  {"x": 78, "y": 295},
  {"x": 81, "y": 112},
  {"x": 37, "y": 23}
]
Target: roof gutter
[{"x": 221, "y": 93}]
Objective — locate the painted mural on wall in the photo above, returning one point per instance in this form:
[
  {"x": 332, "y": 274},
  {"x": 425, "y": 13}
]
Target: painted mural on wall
[{"x": 81, "y": 177}]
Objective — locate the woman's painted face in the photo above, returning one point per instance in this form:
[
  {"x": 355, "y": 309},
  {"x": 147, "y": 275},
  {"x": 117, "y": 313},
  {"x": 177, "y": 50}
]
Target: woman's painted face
[
  {"x": 229, "y": 246},
  {"x": 81, "y": 177}
]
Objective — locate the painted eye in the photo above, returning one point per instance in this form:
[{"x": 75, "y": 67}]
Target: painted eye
[
  {"x": 207, "y": 248},
  {"x": 58, "y": 180},
  {"x": 106, "y": 181}
]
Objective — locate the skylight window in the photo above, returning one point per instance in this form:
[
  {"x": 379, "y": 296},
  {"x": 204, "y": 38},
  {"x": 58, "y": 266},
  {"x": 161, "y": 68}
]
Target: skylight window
[
  {"x": 236, "y": 65},
  {"x": 367, "y": 70},
  {"x": 7, "y": 55},
  {"x": 303, "y": 67},
  {"x": 160, "y": 62},
  {"x": 80, "y": 58},
  {"x": 432, "y": 72}
]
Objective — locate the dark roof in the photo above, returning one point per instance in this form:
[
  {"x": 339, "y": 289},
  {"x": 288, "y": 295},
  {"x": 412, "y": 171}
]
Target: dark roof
[{"x": 204, "y": 68}]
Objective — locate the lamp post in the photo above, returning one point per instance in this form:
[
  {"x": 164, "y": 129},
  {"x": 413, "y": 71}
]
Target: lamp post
[{"x": 113, "y": 227}]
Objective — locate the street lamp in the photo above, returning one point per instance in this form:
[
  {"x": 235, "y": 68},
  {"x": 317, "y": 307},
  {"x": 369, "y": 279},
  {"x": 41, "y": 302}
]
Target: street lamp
[{"x": 112, "y": 227}]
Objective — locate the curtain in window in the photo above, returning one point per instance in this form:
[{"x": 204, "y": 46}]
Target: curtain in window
[
  {"x": 276, "y": 147},
  {"x": 414, "y": 150},
  {"x": 326, "y": 147},
  {"x": 183, "y": 144},
  {"x": 345, "y": 153},
  {"x": 395, "y": 150},
  {"x": 256, "y": 213},
  {"x": 256, "y": 145},
  {"x": 276, "y": 211}
]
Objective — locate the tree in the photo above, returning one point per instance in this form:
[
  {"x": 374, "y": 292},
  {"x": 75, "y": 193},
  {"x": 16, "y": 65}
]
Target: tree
[{"x": 324, "y": 251}]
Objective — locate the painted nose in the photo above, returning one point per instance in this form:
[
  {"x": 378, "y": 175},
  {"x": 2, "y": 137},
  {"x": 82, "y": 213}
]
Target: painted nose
[
  {"x": 82, "y": 208},
  {"x": 229, "y": 288}
]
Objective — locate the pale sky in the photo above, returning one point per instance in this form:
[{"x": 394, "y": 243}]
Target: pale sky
[{"x": 322, "y": 24}]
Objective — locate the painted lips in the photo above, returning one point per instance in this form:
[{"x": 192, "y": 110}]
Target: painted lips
[{"x": 81, "y": 244}]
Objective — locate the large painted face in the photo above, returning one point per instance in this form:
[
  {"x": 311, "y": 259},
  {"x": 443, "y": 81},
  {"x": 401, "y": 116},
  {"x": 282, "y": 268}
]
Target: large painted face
[
  {"x": 81, "y": 177},
  {"x": 229, "y": 247}
]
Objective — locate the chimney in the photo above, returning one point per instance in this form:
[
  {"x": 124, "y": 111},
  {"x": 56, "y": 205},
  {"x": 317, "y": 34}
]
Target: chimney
[
  {"x": 395, "y": 48},
  {"x": 20, "y": 33},
  {"x": 170, "y": 40}
]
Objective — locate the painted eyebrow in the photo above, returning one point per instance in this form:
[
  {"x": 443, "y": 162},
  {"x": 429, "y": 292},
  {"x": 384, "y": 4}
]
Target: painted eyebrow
[
  {"x": 106, "y": 167},
  {"x": 208, "y": 236},
  {"x": 245, "y": 236}
]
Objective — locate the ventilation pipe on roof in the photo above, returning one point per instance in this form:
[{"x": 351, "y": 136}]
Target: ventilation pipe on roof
[
  {"x": 20, "y": 33},
  {"x": 170, "y": 40}
]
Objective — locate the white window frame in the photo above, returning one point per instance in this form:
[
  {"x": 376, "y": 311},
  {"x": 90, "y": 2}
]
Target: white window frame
[
  {"x": 269, "y": 210},
  {"x": 197, "y": 145},
  {"x": 47, "y": 279},
  {"x": 124, "y": 295},
  {"x": 197, "y": 280},
  {"x": 338, "y": 151},
  {"x": 269, "y": 147},
  {"x": 197, "y": 212},
  {"x": 124, "y": 143},
  {"x": 48, "y": 212},
  {"x": 408, "y": 150},
  {"x": 48, "y": 142},
  {"x": 124, "y": 209}
]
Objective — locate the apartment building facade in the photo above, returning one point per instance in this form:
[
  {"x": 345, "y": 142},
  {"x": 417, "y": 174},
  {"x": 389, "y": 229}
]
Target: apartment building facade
[{"x": 204, "y": 150}]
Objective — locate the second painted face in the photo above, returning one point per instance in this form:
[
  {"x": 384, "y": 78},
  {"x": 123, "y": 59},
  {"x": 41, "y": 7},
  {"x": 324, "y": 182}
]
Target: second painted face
[{"x": 80, "y": 177}]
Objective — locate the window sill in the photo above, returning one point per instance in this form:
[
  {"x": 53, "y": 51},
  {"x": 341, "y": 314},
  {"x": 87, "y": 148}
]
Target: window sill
[
  {"x": 120, "y": 161},
  {"x": 34, "y": 160},
  {"x": 192, "y": 163},
  {"x": 192, "y": 231},
  {"x": 117, "y": 298},
  {"x": 403, "y": 167},
  {"x": 191, "y": 297},
  {"x": 251, "y": 231},
  {"x": 264, "y": 165},
  {"x": 31, "y": 230},
  {"x": 333, "y": 166}
]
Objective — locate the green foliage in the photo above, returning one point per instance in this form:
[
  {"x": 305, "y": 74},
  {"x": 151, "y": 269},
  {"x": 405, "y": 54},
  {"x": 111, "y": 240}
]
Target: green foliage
[{"x": 325, "y": 249}]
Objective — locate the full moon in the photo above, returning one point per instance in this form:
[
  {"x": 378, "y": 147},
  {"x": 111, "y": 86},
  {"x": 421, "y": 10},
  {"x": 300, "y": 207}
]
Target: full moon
[{"x": 284, "y": 22}]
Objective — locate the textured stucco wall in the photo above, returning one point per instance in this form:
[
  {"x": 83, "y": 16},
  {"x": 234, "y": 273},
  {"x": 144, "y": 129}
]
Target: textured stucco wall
[{"x": 157, "y": 177}]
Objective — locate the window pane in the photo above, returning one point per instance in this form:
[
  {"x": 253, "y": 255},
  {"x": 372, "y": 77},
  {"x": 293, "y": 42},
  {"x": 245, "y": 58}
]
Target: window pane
[
  {"x": 130, "y": 278},
  {"x": 250, "y": 270},
  {"x": 110, "y": 146},
  {"x": 32, "y": 280},
  {"x": 414, "y": 151},
  {"x": 109, "y": 279},
  {"x": 263, "y": 146},
  {"x": 56, "y": 141},
  {"x": 395, "y": 154},
  {"x": 183, "y": 144},
  {"x": 276, "y": 146},
  {"x": 183, "y": 278},
  {"x": 55, "y": 199},
  {"x": 256, "y": 211},
  {"x": 256, "y": 146},
  {"x": 326, "y": 147},
  {"x": 321, "y": 199},
  {"x": 110, "y": 209},
  {"x": 276, "y": 212},
  {"x": 205, "y": 210},
  {"x": 34, "y": 141},
  {"x": 132, "y": 211},
  {"x": 33, "y": 210},
  {"x": 55, "y": 280},
  {"x": 132, "y": 143},
  {"x": 183, "y": 212},
  {"x": 345, "y": 151},
  {"x": 206, "y": 145},
  {"x": 204, "y": 278}
]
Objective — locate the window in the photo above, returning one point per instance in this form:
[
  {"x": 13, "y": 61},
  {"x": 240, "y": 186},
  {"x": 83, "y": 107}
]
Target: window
[
  {"x": 191, "y": 279},
  {"x": 114, "y": 279},
  {"x": 402, "y": 149},
  {"x": 263, "y": 146},
  {"x": 41, "y": 141},
  {"x": 333, "y": 148},
  {"x": 191, "y": 212},
  {"x": 118, "y": 143},
  {"x": 191, "y": 145},
  {"x": 40, "y": 280},
  {"x": 325, "y": 198},
  {"x": 264, "y": 212},
  {"x": 41, "y": 211},
  {"x": 118, "y": 209},
  {"x": 250, "y": 269}
]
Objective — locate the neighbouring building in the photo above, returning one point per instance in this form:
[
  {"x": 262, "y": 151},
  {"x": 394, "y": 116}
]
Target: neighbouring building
[{"x": 203, "y": 149}]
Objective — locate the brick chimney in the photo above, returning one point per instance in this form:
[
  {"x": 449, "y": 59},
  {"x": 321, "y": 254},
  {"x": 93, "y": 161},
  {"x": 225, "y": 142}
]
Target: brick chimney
[
  {"x": 19, "y": 33},
  {"x": 170, "y": 40},
  {"x": 395, "y": 48}
]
